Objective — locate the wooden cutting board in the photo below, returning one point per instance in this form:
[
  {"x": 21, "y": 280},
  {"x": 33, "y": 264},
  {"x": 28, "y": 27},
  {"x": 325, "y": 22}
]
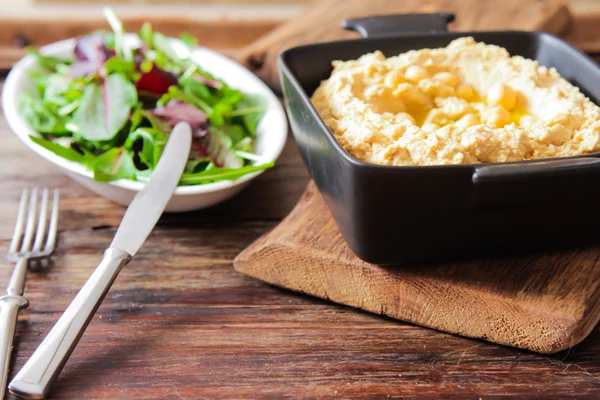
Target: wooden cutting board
[
  {"x": 541, "y": 302},
  {"x": 322, "y": 23}
]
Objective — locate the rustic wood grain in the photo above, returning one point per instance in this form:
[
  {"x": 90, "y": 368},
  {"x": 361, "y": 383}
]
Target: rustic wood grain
[
  {"x": 181, "y": 323},
  {"x": 541, "y": 302},
  {"x": 161, "y": 2},
  {"x": 585, "y": 32},
  {"x": 225, "y": 33},
  {"x": 321, "y": 23},
  {"x": 221, "y": 33}
]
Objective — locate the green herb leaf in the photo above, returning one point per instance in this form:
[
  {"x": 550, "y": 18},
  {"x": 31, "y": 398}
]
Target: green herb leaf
[
  {"x": 235, "y": 132},
  {"x": 119, "y": 65},
  {"x": 188, "y": 97},
  {"x": 219, "y": 113},
  {"x": 48, "y": 62},
  {"x": 244, "y": 145},
  {"x": 153, "y": 142},
  {"x": 40, "y": 118},
  {"x": 163, "y": 45},
  {"x": 121, "y": 47},
  {"x": 105, "y": 109},
  {"x": 188, "y": 40},
  {"x": 116, "y": 163},
  {"x": 65, "y": 152},
  {"x": 221, "y": 174},
  {"x": 137, "y": 118},
  {"x": 196, "y": 165},
  {"x": 146, "y": 34},
  {"x": 55, "y": 87},
  {"x": 251, "y": 109}
]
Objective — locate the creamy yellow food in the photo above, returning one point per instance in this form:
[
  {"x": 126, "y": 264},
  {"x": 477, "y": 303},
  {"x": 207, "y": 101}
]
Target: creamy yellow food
[{"x": 466, "y": 103}]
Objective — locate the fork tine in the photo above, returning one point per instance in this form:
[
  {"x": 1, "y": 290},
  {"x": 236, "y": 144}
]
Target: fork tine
[
  {"x": 31, "y": 218},
  {"x": 41, "y": 228},
  {"x": 16, "y": 239},
  {"x": 51, "y": 242}
]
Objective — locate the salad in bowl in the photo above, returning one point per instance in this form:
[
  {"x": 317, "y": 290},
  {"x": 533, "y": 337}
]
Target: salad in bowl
[{"x": 101, "y": 107}]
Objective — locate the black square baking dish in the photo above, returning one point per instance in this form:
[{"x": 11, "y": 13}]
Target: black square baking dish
[{"x": 398, "y": 214}]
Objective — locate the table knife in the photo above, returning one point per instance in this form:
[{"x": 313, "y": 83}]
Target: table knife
[{"x": 44, "y": 366}]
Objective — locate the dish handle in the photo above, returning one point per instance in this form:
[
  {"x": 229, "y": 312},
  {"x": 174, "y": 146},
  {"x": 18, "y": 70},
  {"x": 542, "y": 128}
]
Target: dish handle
[
  {"x": 527, "y": 171},
  {"x": 399, "y": 24},
  {"x": 536, "y": 182}
]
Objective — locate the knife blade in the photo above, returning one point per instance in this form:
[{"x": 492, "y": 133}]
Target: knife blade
[{"x": 37, "y": 375}]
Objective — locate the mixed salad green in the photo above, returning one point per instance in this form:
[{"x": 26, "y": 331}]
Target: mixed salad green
[{"x": 111, "y": 108}]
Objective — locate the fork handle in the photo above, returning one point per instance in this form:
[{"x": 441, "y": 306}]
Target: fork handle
[
  {"x": 10, "y": 305},
  {"x": 44, "y": 366}
]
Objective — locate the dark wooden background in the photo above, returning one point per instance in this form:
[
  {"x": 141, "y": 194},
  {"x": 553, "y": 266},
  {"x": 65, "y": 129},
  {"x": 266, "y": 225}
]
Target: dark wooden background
[{"x": 180, "y": 323}]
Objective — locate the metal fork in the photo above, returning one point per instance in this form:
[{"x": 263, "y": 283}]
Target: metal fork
[{"x": 23, "y": 248}]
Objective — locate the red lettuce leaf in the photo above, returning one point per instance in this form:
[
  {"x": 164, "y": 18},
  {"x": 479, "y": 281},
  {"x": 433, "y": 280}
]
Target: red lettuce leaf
[
  {"x": 176, "y": 111},
  {"x": 211, "y": 143},
  {"x": 90, "y": 55},
  {"x": 156, "y": 81},
  {"x": 105, "y": 108},
  {"x": 217, "y": 146}
]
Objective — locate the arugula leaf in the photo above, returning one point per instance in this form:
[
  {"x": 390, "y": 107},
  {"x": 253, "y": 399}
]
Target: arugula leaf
[
  {"x": 146, "y": 34},
  {"x": 121, "y": 46},
  {"x": 153, "y": 143},
  {"x": 162, "y": 44},
  {"x": 116, "y": 163},
  {"x": 64, "y": 152},
  {"x": 119, "y": 65},
  {"x": 221, "y": 174},
  {"x": 177, "y": 93},
  {"x": 39, "y": 117},
  {"x": 105, "y": 108},
  {"x": 235, "y": 132},
  {"x": 136, "y": 118},
  {"x": 199, "y": 90},
  {"x": 48, "y": 62},
  {"x": 55, "y": 87},
  {"x": 188, "y": 40},
  {"x": 68, "y": 108},
  {"x": 251, "y": 110},
  {"x": 196, "y": 165},
  {"x": 245, "y": 145},
  {"x": 220, "y": 112}
]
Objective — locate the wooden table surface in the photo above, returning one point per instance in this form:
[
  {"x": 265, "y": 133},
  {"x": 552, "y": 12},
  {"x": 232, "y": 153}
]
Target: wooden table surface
[{"x": 180, "y": 323}]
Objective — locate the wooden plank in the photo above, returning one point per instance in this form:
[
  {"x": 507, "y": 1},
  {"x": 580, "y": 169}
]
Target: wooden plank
[
  {"x": 321, "y": 23},
  {"x": 544, "y": 303}
]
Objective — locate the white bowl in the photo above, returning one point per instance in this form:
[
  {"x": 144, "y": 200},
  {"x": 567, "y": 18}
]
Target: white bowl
[{"x": 271, "y": 131}]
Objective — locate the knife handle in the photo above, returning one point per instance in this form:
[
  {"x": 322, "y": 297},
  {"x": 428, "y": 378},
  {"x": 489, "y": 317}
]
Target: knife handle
[
  {"x": 44, "y": 366},
  {"x": 10, "y": 306}
]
